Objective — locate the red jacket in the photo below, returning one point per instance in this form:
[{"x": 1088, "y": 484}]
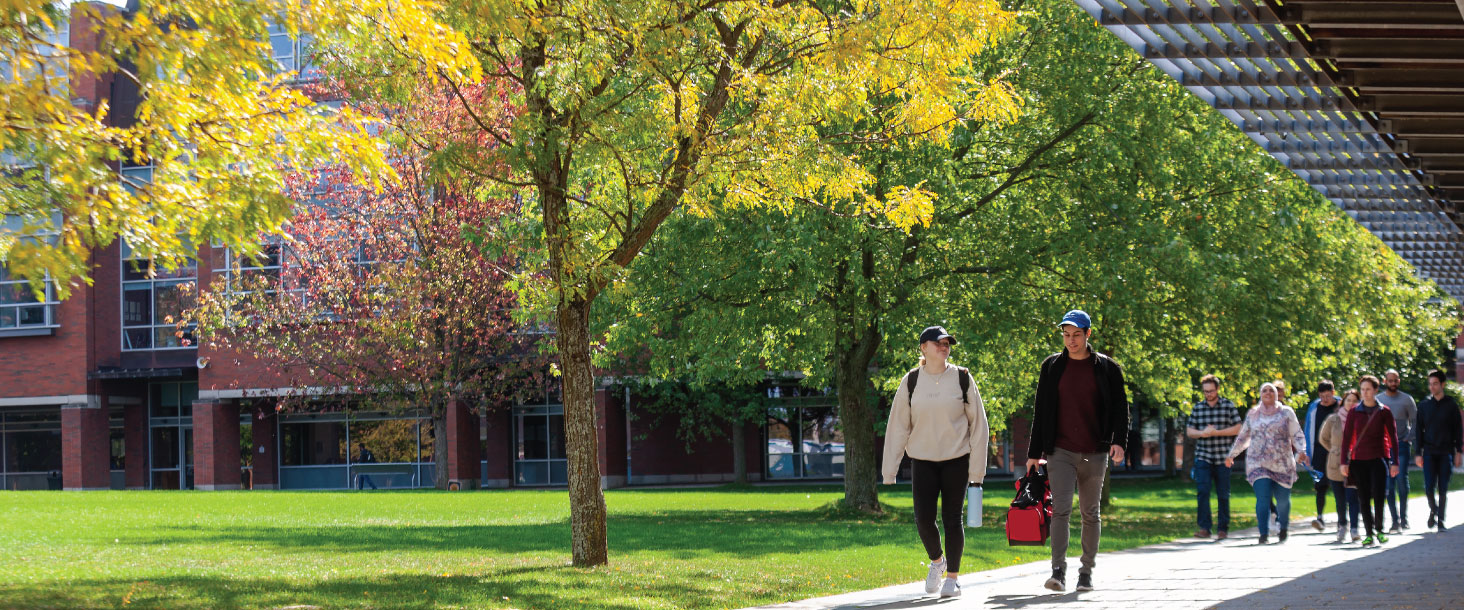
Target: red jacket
[{"x": 1365, "y": 439}]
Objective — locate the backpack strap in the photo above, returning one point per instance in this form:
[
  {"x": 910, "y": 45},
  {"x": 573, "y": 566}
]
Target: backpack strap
[{"x": 962, "y": 374}]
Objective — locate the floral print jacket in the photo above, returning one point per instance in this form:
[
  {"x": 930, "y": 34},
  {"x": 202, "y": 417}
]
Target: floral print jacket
[{"x": 1272, "y": 439}]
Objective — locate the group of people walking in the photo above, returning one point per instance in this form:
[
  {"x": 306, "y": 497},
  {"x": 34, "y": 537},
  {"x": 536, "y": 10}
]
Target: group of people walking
[{"x": 1357, "y": 448}]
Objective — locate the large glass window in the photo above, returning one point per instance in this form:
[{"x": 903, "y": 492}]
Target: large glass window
[
  {"x": 804, "y": 436},
  {"x": 153, "y": 300},
  {"x": 539, "y": 457},
  {"x": 154, "y": 295},
  {"x": 30, "y": 449},
  {"x": 313, "y": 444},
  {"x": 22, "y": 308},
  {"x": 291, "y": 54}
]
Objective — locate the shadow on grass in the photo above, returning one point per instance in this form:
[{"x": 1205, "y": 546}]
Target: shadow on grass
[
  {"x": 682, "y": 533},
  {"x": 517, "y": 588}
]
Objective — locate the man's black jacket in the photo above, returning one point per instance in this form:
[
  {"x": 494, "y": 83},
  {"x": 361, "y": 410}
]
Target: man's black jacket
[{"x": 1112, "y": 399}]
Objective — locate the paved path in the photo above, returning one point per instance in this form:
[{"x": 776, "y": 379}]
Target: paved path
[{"x": 1415, "y": 570}]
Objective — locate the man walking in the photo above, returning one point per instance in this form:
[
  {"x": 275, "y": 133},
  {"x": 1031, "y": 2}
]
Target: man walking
[
  {"x": 364, "y": 457},
  {"x": 1323, "y": 407},
  {"x": 1079, "y": 422},
  {"x": 1405, "y": 412},
  {"x": 1440, "y": 445},
  {"x": 1213, "y": 423}
]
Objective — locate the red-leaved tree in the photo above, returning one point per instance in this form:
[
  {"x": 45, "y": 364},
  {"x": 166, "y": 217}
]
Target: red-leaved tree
[{"x": 384, "y": 300}]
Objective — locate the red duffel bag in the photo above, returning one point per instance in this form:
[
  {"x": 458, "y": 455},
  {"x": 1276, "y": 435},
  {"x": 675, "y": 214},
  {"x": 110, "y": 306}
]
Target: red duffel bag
[{"x": 1030, "y": 516}]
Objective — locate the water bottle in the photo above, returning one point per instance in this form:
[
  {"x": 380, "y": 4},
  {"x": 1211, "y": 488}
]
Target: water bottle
[{"x": 973, "y": 505}]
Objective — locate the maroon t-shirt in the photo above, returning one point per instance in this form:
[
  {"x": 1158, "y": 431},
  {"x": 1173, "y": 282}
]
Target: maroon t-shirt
[{"x": 1077, "y": 407}]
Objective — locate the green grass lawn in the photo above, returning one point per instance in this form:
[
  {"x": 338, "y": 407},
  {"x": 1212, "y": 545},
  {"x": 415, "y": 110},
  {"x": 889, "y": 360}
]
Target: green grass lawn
[{"x": 669, "y": 548}]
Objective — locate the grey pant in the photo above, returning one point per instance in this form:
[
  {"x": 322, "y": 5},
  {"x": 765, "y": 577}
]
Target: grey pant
[{"x": 1081, "y": 472}]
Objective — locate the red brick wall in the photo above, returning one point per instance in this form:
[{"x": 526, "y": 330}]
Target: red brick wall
[
  {"x": 215, "y": 445},
  {"x": 85, "y": 447},
  {"x": 463, "y": 450}
]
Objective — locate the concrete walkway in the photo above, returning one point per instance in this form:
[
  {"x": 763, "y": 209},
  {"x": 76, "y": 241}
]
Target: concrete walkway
[{"x": 1415, "y": 570}]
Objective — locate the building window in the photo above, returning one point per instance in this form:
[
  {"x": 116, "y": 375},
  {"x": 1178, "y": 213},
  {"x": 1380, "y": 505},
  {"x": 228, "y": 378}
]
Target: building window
[
  {"x": 21, "y": 309},
  {"x": 154, "y": 295},
  {"x": 291, "y": 54},
  {"x": 153, "y": 300},
  {"x": 804, "y": 436}
]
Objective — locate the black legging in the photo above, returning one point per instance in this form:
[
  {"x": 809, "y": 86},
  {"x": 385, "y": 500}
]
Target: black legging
[
  {"x": 1371, "y": 477},
  {"x": 946, "y": 480}
]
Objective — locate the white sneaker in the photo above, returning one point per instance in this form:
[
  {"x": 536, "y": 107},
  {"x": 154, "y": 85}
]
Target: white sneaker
[
  {"x": 1341, "y": 536},
  {"x": 951, "y": 588},
  {"x": 932, "y": 578}
]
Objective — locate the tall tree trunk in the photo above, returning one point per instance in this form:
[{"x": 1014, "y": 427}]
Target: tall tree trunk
[
  {"x": 855, "y": 344},
  {"x": 861, "y": 465},
  {"x": 1170, "y": 468},
  {"x": 739, "y": 452},
  {"x": 586, "y": 501}
]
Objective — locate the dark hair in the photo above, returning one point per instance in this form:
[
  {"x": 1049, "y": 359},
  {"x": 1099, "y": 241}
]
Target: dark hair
[
  {"x": 1325, "y": 385},
  {"x": 1369, "y": 379},
  {"x": 1444, "y": 379},
  {"x": 1210, "y": 379}
]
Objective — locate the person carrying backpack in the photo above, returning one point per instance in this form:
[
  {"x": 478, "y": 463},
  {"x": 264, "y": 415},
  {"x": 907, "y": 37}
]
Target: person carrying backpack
[{"x": 938, "y": 420}]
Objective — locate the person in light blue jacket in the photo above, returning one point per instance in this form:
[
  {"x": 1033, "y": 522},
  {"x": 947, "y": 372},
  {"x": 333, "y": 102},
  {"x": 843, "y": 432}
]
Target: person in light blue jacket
[{"x": 1320, "y": 409}]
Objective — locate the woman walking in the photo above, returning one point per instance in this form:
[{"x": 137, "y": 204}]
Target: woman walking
[
  {"x": 1370, "y": 456},
  {"x": 1275, "y": 442},
  {"x": 1330, "y": 438},
  {"x": 938, "y": 420}
]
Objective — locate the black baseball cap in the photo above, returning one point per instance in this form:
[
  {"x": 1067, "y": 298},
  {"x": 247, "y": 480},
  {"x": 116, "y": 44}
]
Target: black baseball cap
[{"x": 936, "y": 333}]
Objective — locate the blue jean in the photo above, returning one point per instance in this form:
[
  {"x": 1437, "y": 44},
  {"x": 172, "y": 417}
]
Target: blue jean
[
  {"x": 1347, "y": 506},
  {"x": 1437, "y": 469},
  {"x": 1266, "y": 491},
  {"x": 1398, "y": 486},
  {"x": 1212, "y": 476}
]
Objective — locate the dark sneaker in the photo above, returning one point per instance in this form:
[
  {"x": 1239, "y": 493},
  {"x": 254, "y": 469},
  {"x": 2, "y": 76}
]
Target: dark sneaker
[
  {"x": 1430, "y": 523},
  {"x": 1395, "y": 529},
  {"x": 1056, "y": 583},
  {"x": 1206, "y": 533},
  {"x": 1281, "y": 537},
  {"x": 1085, "y": 582},
  {"x": 1405, "y": 524},
  {"x": 1263, "y": 539},
  {"x": 1221, "y": 535}
]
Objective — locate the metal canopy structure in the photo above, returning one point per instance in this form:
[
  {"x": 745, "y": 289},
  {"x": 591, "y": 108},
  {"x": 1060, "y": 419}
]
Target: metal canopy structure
[{"x": 1362, "y": 100}]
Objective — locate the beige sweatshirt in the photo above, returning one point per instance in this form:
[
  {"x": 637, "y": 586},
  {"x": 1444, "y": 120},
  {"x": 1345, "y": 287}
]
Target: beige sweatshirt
[{"x": 935, "y": 425}]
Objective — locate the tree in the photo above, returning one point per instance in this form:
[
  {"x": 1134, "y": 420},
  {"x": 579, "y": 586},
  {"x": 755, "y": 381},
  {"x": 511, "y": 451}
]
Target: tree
[
  {"x": 219, "y": 121},
  {"x": 1116, "y": 192},
  {"x": 388, "y": 294},
  {"x": 635, "y": 111}
]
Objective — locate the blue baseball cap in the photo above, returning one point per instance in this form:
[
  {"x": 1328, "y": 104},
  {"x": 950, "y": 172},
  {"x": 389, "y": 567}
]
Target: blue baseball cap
[{"x": 1076, "y": 317}]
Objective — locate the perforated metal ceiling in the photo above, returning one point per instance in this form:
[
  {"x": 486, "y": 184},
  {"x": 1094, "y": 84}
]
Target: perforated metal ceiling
[{"x": 1362, "y": 100}]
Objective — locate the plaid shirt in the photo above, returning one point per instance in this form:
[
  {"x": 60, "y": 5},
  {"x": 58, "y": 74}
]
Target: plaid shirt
[{"x": 1213, "y": 449}]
